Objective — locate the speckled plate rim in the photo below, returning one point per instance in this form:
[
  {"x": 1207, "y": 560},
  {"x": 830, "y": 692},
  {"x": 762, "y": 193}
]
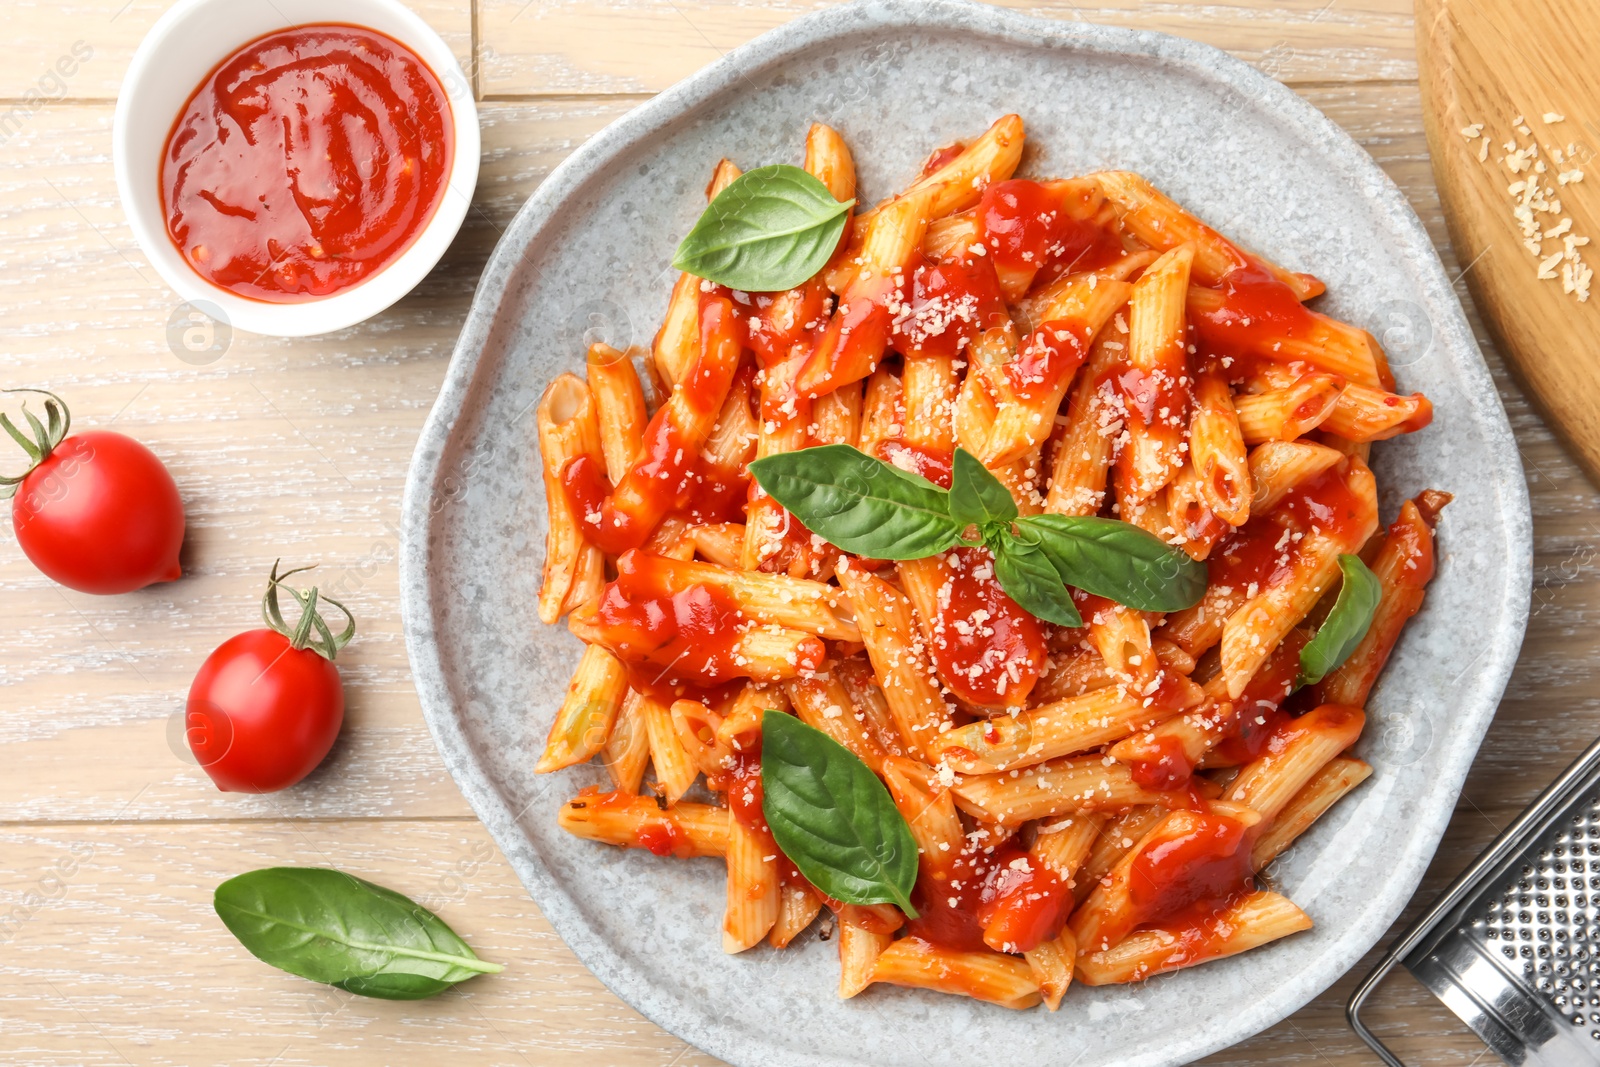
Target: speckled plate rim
[{"x": 692, "y": 1021}]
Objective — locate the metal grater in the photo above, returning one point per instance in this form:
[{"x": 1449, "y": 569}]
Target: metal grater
[{"x": 1513, "y": 946}]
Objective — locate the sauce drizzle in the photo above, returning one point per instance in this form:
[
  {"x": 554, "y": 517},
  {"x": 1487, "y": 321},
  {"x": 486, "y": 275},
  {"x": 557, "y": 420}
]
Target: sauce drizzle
[{"x": 306, "y": 162}]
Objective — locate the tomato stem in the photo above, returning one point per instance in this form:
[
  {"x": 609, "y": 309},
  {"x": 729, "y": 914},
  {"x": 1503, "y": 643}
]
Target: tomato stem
[
  {"x": 311, "y": 631},
  {"x": 46, "y": 435}
]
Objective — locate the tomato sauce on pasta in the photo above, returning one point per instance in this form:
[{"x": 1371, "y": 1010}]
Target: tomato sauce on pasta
[{"x": 1093, "y": 780}]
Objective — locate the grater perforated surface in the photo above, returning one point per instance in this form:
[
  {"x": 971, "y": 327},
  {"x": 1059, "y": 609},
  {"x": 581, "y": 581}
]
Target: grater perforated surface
[
  {"x": 1518, "y": 956},
  {"x": 1545, "y": 921},
  {"x": 1513, "y": 946}
]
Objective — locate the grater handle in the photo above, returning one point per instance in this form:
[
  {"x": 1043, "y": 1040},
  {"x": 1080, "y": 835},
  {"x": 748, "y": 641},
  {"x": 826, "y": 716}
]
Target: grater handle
[
  {"x": 1352, "y": 1011},
  {"x": 1510, "y": 841}
]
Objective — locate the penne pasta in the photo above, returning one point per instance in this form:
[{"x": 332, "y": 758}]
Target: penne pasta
[
  {"x": 629, "y": 821},
  {"x": 1288, "y": 413},
  {"x": 1095, "y": 418},
  {"x": 858, "y": 333},
  {"x": 1315, "y": 340},
  {"x": 931, "y": 814},
  {"x": 719, "y": 543},
  {"x": 1077, "y": 724},
  {"x": 823, "y": 703},
  {"x": 1081, "y": 670},
  {"x": 1122, "y": 900},
  {"x": 865, "y": 933},
  {"x": 1249, "y": 922},
  {"x": 1118, "y": 837},
  {"x": 1299, "y": 749},
  {"x": 1364, "y": 414},
  {"x": 1064, "y": 787},
  {"x": 883, "y": 413},
  {"x": 1088, "y": 803},
  {"x": 855, "y": 672},
  {"x": 1122, "y": 635},
  {"x": 776, "y": 599},
  {"x": 768, "y": 653},
  {"x": 1404, "y": 566},
  {"x": 1051, "y": 963},
  {"x": 584, "y": 721},
  {"x": 697, "y": 727},
  {"x": 624, "y": 517},
  {"x": 1217, "y": 450},
  {"x": 960, "y": 182},
  {"x": 836, "y": 418},
  {"x": 675, "y": 768},
  {"x": 678, "y": 340},
  {"x": 928, "y": 387},
  {"x": 1196, "y": 528},
  {"x": 619, "y": 404},
  {"x": 828, "y": 159},
  {"x": 1336, "y": 778},
  {"x": 627, "y": 750},
  {"x": 1254, "y": 629},
  {"x": 888, "y": 629},
  {"x": 990, "y": 976},
  {"x": 568, "y": 429},
  {"x": 1033, "y": 385},
  {"x": 1158, "y": 398},
  {"x": 754, "y": 893},
  {"x": 1276, "y": 467},
  {"x": 798, "y": 907},
  {"x": 1160, "y": 223}
]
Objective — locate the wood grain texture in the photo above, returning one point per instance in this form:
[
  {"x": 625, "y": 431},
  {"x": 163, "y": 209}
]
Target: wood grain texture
[
  {"x": 299, "y": 448},
  {"x": 1490, "y": 62},
  {"x": 116, "y": 957},
  {"x": 40, "y": 32},
  {"x": 530, "y": 47}
]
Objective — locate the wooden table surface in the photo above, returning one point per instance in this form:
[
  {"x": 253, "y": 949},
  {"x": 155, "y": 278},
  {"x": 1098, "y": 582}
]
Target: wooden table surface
[{"x": 111, "y": 840}]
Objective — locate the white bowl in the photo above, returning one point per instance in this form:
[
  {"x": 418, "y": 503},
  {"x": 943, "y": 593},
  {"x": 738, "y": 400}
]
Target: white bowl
[{"x": 178, "y": 53}]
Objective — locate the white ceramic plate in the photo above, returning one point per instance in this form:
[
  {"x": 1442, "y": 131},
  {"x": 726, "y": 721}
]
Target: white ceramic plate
[{"x": 590, "y": 252}]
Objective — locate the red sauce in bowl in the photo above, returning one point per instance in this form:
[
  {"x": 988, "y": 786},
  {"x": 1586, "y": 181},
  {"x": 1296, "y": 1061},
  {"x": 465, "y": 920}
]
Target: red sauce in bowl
[{"x": 307, "y": 161}]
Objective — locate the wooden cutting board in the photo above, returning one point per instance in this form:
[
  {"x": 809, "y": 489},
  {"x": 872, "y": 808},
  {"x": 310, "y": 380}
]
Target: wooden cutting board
[{"x": 1509, "y": 66}]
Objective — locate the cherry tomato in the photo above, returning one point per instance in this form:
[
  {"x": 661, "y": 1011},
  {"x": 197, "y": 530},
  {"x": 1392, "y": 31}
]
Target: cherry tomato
[
  {"x": 267, "y": 705},
  {"x": 97, "y": 512}
]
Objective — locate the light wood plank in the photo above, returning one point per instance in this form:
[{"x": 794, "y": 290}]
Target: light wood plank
[
  {"x": 96, "y": 682},
  {"x": 89, "y": 683},
  {"x": 335, "y": 421},
  {"x": 40, "y": 32},
  {"x": 92, "y": 918},
  {"x": 531, "y": 47},
  {"x": 1502, "y": 67},
  {"x": 291, "y": 448},
  {"x": 114, "y": 956}
]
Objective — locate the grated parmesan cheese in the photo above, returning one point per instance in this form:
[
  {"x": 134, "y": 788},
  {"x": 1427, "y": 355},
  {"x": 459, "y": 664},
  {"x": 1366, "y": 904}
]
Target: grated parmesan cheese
[{"x": 1533, "y": 198}]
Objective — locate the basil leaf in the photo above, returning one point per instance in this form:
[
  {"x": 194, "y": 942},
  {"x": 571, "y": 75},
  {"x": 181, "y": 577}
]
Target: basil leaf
[
  {"x": 833, "y": 817},
  {"x": 1117, "y": 560},
  {"x": 1028, "y": 577},
  {"x": 861, "y": 504},
  {"x": 332, "y": 927},
  {"x": 770, "y": 229},
  {"x": 977, "y": 496},
  {"x": 1345, "y": 625}
]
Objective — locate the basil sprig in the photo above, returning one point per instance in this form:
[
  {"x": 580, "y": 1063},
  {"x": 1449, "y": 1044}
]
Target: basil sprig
[
  {"x": 338, "y": 929},
  {"x": 1029, "y": 576},
  {"x": 1117, "y": 560},
  {"x": 872, "y": 508},
  {"x": 770, "y": 229},
  {"x": 1345, "y": 625},
  {"x": 833, "y": 817},
  {"x": 861, "y": 504}
]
